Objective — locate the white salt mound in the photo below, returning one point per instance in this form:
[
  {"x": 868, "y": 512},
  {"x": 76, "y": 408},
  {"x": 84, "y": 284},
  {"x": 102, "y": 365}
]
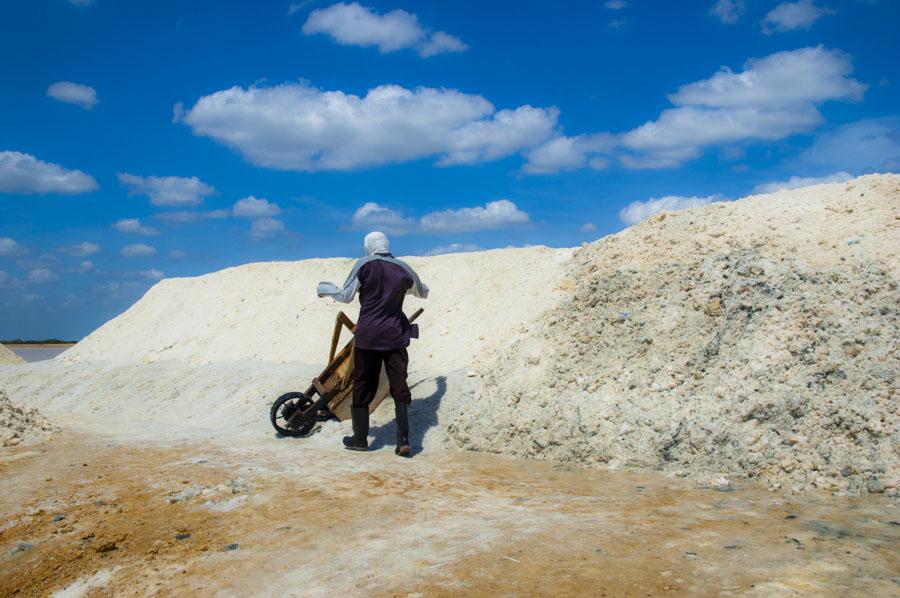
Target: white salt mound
[
  {"x": 7, "y": 357},
  {"x": 18, "y": 423},
  {"x": 755, "y": 338}
]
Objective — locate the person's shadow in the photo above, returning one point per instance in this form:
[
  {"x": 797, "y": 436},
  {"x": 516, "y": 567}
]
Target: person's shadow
[{"x": 422, "y": 416}]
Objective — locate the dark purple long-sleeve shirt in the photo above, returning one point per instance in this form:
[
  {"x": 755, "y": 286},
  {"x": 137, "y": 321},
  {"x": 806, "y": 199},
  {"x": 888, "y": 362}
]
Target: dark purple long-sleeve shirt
[{"x": 382, "y": 325}]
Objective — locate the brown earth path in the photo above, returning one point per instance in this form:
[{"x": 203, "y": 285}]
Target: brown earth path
[{"x": 99, "y": 517}]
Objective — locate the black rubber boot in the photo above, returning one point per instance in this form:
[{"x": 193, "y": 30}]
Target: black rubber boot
[
  {"x": 359, "y": 441},
  {"x": 401, "y": 411}
]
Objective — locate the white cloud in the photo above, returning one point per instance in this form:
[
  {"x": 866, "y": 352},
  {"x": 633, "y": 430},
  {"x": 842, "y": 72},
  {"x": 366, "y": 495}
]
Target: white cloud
[
  {"x": 188, "y": 216},
  {"x": 41, "y": 276},
  {"x": 251, "y": 207},
  {"x": 372, "y": 216},
  {"x": 167, "y": 190},
  {"x": 497, "y": 214},
  {"x": 493, "y": 215},
  {"x": 641, "y": 210},
  {"x": 615, "y": 4},
  {"x": 152, "y": 274},
  {"x": 265, "y": 228},
  {"x": 870, "y": 145},
  {"x": 9, "y": 246},
  {"x": 23, "y": 173},
  {"x": 177, "y": 254},
  {"x": 453, "y": 248},
  {"x": 795, "y": 182},
  {"x": 772, "y": 98},
  {"x": 588, "y": 227},
  {"x": 295, "y": 6},
  {"x": 298, "y": 127},
  {"x": 138, "y": 250},
  {"x": 133, "y": 226},
  {"x": 81, "y": 249},
  {"x": 617, "y": 23},
  {"x": 351, "y": 24},
  {"x": 73, "y": 93},
  {"x": 728, "y": 11},
  {"x": 440, "y": 42},
  {"x": 783, "y": 79},
  {"x": 789, "y": 16},
  {"x": 569, "y": 153},
  {"x": 84, "y": 267}
]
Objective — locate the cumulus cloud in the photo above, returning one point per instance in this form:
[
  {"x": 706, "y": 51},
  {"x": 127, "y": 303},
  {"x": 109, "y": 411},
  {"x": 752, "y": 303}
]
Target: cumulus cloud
[
  {"x": 493, "y": 215},
  {"x": 133, "y": 226},
  {"x": 453, "y": 248},
  {"x": 641, "y": 210},
  {"x": 177, "y": 254},
  {"x": 372, "y": 216},
  {"x": 81, "y": 249},
  {"x": 570, "y": 153},
  {"x": 167, "y": 190},
  {"x": 84, "y": 267},
  {"x": 497, "y": 214},
  {"x": 23, "y": 173},
  {"x": 264, "y": 228},
  {"x": 188, "y": 216},
  {"x": 588, "y": 227},
  {"x": 138, "y": 250},
  {"x": 772, "y": 98},
  {"x": 728, "y": 11},
  {"x": 9, "y": 247},
  {"x": 789, "y": 16},
  {"x": 439, "y": 43},
  {"x": 73, "y": 93},
  {"x": 41, "y": 276},
  {"x": 351, "y": 24},
  {"x": 251, "y": 207},
  {"x": 795, "y": 182},
  {"x": 869, "y": 145},
  {"x": 152, "y": 274},
  {"x": 298, "y": 127}
]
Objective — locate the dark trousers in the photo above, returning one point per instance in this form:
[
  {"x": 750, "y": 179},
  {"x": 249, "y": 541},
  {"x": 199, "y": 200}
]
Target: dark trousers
[{"x": 367, "y": 371}]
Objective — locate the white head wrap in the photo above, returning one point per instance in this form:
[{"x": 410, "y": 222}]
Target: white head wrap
[{"x": 376, "y": 242}]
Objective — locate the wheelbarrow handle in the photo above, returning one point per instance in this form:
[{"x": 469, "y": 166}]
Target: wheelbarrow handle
[{"x": 416, "y": 314}]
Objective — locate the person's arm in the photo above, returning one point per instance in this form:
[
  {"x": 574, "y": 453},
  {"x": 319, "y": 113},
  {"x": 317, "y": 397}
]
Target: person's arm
[
  {"x": 344, "y": 295},
  {"x": 348, "y": 292}
]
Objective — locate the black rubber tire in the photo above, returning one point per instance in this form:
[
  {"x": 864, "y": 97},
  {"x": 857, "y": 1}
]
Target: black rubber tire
[{"x": 283, "y": 408}]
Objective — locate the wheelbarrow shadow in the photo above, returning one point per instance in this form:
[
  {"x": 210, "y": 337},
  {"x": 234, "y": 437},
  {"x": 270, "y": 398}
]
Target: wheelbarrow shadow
[{"x": 422, "y": 417}]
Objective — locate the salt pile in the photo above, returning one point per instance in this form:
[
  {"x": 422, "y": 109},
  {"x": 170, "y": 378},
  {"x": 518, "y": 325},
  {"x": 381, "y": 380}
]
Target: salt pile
[
  {"x": 755, "y": 338},
  {"x": 18, "y": 423},
  {"x": 7, "y": 357}
]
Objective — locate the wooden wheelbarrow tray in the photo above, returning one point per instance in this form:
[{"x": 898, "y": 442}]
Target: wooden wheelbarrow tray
[{"x": 330, "y": 395}]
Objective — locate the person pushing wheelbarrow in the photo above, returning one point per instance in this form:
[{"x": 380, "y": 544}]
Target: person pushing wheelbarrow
[{"x": 381, "y": 336}]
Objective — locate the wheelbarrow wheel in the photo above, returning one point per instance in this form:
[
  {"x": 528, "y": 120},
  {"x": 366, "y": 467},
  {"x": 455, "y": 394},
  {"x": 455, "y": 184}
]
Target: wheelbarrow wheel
[{"x": 286, "y": 406}]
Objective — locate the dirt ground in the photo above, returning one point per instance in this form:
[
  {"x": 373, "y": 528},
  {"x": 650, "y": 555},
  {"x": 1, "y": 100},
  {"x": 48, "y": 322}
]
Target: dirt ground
[{"x": 87, "y": 515}]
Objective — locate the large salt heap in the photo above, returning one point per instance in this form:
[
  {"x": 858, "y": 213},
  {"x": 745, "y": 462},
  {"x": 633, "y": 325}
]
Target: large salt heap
[
  {"x": 754, "y": 338},
  {"x": 7, "y": 357}
]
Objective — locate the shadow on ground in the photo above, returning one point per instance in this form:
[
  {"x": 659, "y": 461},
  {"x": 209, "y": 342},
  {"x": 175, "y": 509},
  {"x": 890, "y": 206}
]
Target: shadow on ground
[{"x": 423, "y": 415}]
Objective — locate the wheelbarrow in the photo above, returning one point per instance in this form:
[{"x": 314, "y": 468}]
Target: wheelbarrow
[{"x": 330, "y": 395}]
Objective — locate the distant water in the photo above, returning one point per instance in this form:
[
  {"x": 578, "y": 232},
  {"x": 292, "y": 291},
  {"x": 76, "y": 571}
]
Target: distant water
[{"x": 37, "y": 353}]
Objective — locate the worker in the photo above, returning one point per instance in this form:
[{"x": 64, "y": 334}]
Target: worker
[{"x": 381, "y": 336}]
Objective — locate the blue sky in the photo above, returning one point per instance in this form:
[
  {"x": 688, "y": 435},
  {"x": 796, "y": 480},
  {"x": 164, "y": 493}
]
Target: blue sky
[{"x": 145, "y": 139}]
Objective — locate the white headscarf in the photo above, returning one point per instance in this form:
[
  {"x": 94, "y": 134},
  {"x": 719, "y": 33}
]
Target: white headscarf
[{"x": 376, "y": 242}]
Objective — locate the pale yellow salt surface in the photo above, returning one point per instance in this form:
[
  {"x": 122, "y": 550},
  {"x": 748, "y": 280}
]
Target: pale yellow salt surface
[{"x": 270, "y": 311}]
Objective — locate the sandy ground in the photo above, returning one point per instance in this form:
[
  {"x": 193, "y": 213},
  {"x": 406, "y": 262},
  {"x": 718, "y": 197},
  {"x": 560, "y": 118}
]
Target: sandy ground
[{"x": 89, "y": 515}]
